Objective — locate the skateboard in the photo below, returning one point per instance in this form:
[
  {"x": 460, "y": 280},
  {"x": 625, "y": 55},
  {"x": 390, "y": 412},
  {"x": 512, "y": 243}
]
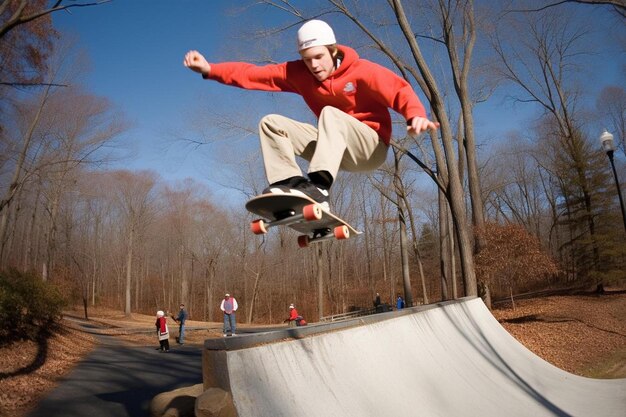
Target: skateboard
[{"x": 300, "y": 213}]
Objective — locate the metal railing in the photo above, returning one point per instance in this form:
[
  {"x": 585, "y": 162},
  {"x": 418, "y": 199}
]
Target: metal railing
[{"x": 349, "y": 315}]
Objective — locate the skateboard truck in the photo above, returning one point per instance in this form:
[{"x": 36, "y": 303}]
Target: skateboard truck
[
  {"x": 339, "y": 233},
  {"x": 310, "y": 212}
]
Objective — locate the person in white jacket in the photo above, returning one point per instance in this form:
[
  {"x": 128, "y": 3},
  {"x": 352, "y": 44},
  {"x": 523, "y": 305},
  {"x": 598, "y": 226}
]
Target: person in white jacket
[{"x": 229, "y": 306}]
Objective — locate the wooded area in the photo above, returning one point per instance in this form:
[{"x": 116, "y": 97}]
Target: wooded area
[{"x": 533, "y": 210}]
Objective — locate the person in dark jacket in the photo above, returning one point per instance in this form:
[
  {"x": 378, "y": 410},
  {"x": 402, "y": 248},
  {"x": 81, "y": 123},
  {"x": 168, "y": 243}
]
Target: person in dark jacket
[
  {"x": 377, "y": 300},
  {"x": 181, "y": 319}
]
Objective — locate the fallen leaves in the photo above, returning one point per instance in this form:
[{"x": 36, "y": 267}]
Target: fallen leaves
[
  {"x": 28, "y": 370},
  {"x": 573, "y": 333}
]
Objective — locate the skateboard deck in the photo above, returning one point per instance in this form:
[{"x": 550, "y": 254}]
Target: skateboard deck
[{"x": 300, "y": 213}]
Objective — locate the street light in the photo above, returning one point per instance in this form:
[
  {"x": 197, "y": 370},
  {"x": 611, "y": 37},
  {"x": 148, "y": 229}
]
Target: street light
[{"x": 606, "y": 139}]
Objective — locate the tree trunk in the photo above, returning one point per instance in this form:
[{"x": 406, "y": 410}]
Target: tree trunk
[
  {"x": 129, "y": 267},
  {"x": 320, "y": 281},
  {"x": 455, "y": 190},
  {"x": 406, "y": 276},
  {"x": 255, "y": 290},
  {"x": 444, "y": 248},
  {"x": 460, "y": 72},
  {"x": 15, "y": 180}
]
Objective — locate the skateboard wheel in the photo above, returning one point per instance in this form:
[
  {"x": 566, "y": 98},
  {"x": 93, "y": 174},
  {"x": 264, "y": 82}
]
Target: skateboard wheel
[
  {"x": 312, "y": 212},
  {"x": 341, "y": 232},
  {"x": 258, "y": 227},
  {"x": 303, "y": 241}
]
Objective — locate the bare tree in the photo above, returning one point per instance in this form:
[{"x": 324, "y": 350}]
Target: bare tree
[
  {"x": 134, "y": 193},
  {"x": 611, "y": 107},
  {"x": 544, "y": 69},
  {"x": 19, "y": 12},
  {"x": 18, "y": 177}
]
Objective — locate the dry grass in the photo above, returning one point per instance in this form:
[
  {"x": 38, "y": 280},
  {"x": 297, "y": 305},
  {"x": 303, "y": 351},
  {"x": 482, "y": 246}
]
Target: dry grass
[{"x": 585, "y": 335}]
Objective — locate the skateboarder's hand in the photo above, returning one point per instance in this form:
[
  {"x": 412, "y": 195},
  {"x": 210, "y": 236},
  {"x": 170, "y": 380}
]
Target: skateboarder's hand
[
  {"x": 196, "y": 62},
  {"x": 418, "y": 125}
]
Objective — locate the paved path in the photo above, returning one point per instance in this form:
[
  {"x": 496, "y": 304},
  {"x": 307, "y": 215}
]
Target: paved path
[{"x": 117, "y": 380}]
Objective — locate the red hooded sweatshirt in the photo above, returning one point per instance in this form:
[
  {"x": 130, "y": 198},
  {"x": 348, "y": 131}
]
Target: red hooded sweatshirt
[{"x": 359, "y": 87}]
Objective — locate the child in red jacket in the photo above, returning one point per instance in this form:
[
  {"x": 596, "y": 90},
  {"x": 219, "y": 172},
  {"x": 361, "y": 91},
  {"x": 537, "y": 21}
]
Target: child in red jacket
[
  {"x": 162, "y": 331},
  {"x": 295, "y": 319},
  {"x": 350, "y": 96}
]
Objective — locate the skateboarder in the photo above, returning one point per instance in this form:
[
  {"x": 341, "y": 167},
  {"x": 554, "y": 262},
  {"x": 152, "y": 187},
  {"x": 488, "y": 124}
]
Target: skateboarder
[{"x": 350, "y": 96}]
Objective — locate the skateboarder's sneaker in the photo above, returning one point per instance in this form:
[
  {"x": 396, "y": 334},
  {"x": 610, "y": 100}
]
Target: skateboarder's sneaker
[
  {"x": 301, "y": 186},
  {"x": 318, "y": 194},
  {"x": 285, "y": 186}
]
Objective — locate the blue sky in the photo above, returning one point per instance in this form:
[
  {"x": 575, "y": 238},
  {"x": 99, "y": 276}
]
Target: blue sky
[{"x": 136, "y": 50}]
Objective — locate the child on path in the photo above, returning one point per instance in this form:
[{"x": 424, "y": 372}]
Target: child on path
[{"x": 162, "y": 331}]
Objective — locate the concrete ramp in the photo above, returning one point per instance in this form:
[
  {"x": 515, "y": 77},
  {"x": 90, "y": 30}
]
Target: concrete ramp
[{"x": 449, "y": 359}]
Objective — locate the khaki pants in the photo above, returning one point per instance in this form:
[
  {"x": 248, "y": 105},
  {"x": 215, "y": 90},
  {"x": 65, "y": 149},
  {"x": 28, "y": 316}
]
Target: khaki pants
[{"x": 339, "y": 141}]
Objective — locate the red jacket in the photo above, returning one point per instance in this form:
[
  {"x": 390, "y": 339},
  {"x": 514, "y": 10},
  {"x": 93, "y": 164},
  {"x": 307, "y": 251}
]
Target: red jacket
[
  {"x": 293, "y": 314},
  {"x": 359, "y": 87}
]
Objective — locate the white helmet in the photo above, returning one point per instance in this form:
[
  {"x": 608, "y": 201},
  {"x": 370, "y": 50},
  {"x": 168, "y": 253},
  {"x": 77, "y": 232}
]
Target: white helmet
[
  {"x": 315, "y": 33},
  {"x": 160, "y": 313}
]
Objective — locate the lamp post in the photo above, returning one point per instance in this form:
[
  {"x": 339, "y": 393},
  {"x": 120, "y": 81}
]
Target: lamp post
[{"x": 606, "y": 139}]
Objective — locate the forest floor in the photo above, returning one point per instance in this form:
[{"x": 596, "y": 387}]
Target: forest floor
[{"x": 582, "y": 334}]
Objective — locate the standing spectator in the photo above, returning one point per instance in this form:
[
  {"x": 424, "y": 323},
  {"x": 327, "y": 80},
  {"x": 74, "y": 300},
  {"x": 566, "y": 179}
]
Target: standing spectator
[
  {"x": 293, "y": 316},
  {"x": 181, "y": 319},
  {"x": 377, "y": 300},
  {"x": 377, "y": 304},
  {"x": 162, "y": 331},
  {"x": 229, "y": 306},
  {"x": 400, "y": 302}
]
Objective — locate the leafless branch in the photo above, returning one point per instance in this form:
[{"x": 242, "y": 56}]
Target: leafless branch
[
  {"x": 618, "y": 5},
  {"x": 18, "y": 19}
]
